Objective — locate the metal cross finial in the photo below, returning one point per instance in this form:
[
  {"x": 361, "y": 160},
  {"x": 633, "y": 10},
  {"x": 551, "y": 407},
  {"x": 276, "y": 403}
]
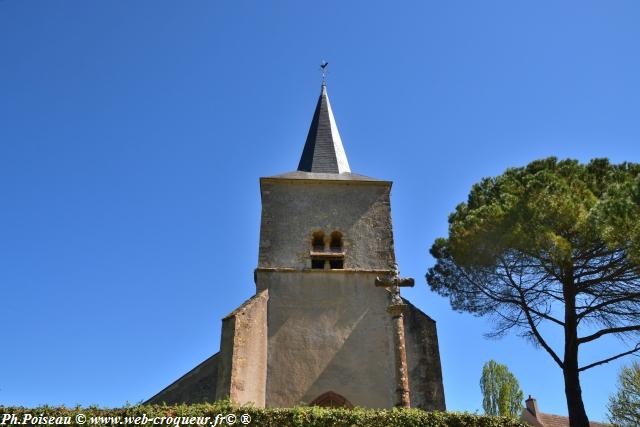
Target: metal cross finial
[{"x": 323, "y": 70}]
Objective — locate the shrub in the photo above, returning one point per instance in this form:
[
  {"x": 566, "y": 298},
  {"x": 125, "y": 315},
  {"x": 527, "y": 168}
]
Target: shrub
[{"x": 300, "y": 416}]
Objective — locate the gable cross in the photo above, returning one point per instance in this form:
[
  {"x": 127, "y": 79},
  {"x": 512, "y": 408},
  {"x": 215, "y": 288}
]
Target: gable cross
[
  {"x": 396, "y": 308},
  {"x": 394, "y": 282}
]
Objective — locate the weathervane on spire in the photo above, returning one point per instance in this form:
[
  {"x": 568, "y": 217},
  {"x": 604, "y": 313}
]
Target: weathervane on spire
[{"x": 323, "y": 70}]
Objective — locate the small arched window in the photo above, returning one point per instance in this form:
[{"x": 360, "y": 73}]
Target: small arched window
[
  {"x": 336, "y": 242},
  {"x": 321, "y": 258},
  {"x": 318, "y": 241}
]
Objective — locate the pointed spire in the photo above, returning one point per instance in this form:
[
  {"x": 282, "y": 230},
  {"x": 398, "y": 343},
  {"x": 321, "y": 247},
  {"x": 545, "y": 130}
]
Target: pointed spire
[{"x": 323, "y": 151}]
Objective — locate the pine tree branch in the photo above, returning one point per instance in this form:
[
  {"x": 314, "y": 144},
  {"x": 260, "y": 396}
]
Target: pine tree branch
[
  {"x": 602, "y": 362},
  {"x": 603, "y": 304},
  {"x": 607, "y": 332},
  {"x": 536, "y": 333}
]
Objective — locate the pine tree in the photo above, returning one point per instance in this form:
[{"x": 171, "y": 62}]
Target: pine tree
[{"x": 554, "y": 244}]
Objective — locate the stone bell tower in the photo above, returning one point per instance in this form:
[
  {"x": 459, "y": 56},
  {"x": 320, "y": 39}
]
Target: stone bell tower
[{"x": 323, "y": 328}]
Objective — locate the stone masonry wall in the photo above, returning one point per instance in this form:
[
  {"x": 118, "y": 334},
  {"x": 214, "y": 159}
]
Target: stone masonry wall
[
  {"x": 423, "y": 360},
  {"x": 293, "y": 210},
  {"x": 243, "y": 353},
  {"x": 328, "y": 331}
]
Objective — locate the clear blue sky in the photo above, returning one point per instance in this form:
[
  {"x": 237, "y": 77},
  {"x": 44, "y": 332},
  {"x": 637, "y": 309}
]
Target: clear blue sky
[{"x": 133, "y": 134}]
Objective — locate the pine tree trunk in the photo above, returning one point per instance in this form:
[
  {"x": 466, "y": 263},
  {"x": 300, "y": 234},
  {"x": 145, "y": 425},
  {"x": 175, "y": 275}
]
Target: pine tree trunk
[{"x": 572, "y": 390}]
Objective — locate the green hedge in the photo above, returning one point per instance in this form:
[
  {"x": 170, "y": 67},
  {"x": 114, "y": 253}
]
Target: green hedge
[{"x": 301, "y": 416}]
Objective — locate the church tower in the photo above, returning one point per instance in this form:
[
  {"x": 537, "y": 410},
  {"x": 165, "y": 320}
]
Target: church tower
[{"x": 323, "y": 328}]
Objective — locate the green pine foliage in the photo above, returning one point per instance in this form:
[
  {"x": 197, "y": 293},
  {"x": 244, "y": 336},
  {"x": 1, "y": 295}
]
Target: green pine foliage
[
  {"x": 501, "y": 393},
  {"x": 299, "y": 416},
  {"x": 624, "y": 406}
]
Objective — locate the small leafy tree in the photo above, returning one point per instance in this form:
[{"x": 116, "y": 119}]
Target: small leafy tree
[
  {"x": 624, "y": 406},
  {"x": 501, "y": 393},
  {"x": 555, "y": 243}
]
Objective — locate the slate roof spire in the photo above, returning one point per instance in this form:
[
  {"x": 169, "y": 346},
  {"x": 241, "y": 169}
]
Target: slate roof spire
[{"x": 323, "y": 151}]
